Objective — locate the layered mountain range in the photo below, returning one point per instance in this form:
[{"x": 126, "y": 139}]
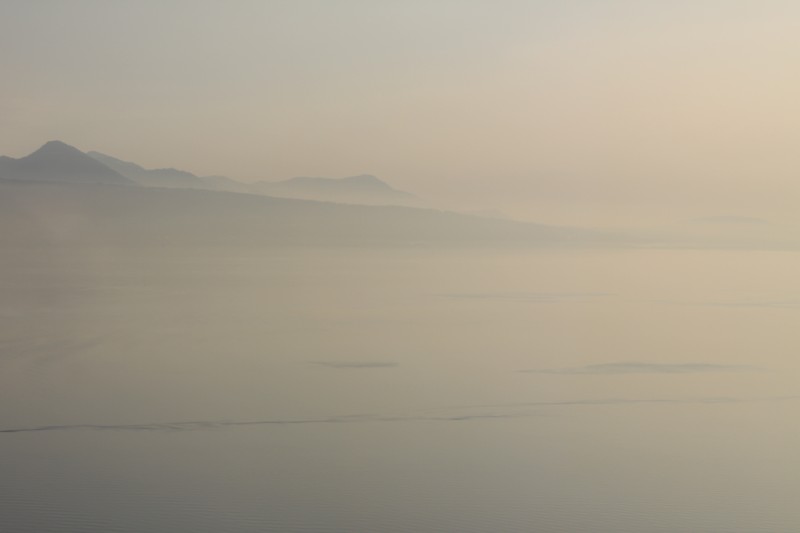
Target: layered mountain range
[
  {"x": 365, "y": 189},
  {"x": 60, "y": 162},
  {"x": 61, "y": 195}
]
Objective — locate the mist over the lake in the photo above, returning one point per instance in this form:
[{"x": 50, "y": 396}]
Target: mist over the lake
[{"x": 354, "y": 266}]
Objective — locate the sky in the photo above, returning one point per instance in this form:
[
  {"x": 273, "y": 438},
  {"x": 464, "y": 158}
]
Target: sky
[{"x": 605, "y": 112}]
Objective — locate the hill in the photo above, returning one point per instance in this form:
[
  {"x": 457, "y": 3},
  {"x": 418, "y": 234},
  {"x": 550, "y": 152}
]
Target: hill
[
  {"x": 60, "y": 163},
  {"x": 168, "y": 177},
  {"x": 363, "y": 189},
  {"x": 77, "y": 214}
]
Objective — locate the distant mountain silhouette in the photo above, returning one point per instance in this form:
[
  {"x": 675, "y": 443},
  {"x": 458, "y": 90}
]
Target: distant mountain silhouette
[
  {"x": 168, "y": 177},
  {"x": 60, "y": 162},
  {"x": 37, "y": 213},
  {"x": 363, "y": 189}
]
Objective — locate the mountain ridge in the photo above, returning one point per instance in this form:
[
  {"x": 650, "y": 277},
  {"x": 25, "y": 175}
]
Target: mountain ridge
[
  {"x": 361, "y": 189},
  {"x": 88, "y": 214},
  {"x": 84, "y": 210},
  {"x": 56, "y": 161}
]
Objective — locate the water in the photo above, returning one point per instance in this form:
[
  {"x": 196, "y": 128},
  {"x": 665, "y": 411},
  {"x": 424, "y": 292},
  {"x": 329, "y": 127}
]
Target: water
[{"x": 385, "y": 390}]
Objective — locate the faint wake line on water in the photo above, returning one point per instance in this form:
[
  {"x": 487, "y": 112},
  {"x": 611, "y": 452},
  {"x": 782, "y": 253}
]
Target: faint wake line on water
[
  {"x": 196, "y": 425},
  {"x": 217, "y": 424},
  {"x": 164, "y": 426}
]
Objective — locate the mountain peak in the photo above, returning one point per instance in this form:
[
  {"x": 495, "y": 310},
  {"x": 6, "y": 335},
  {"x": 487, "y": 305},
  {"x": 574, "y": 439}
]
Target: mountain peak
[
  {"x": 56, "y": 143},
  {"x": 56, "y": 161},
  {"x": 364, "y": 178},
  {"x": 56, "y": 148},
  {"x": 360, "y": 189}
]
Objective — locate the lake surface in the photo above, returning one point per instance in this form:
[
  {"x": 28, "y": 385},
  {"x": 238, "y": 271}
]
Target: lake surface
[{"x": 343, "y": 390}]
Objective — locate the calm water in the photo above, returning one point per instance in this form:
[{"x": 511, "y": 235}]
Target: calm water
[{"x": 399, "y": 391}]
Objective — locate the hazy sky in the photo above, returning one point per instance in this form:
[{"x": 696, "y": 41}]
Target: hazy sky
[{"x": 558, "y": 110}]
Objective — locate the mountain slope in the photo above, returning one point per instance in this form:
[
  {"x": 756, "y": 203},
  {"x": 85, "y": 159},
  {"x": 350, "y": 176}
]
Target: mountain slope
[
  {"x": 363, "y": 189},
  {"x": 47, "y": 214},
  {"x": 61, "y": 163},
  {"x": 167, "y": 177}
]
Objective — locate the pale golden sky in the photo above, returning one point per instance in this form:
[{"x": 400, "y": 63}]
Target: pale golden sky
[{"x": 559, "y": 110}]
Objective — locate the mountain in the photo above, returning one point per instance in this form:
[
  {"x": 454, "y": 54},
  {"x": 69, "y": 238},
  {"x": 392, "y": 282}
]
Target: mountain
[
  {"x": 363, "y": 189},
  {"x": 59, "y": 195},
  {"x": 168, "y": 177},
  {"x": 38, "y": 213},
  {"x": 60, "y": 162}
]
